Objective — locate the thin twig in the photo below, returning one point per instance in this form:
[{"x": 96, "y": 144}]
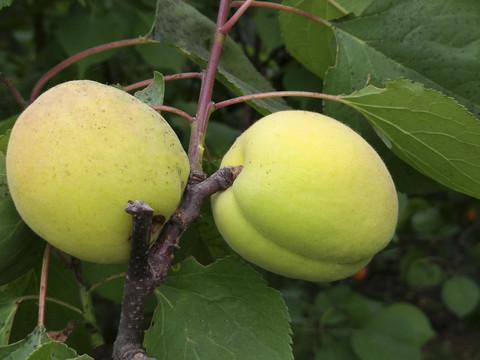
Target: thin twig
[
  {"x": 187, "y": 75},
  {"x": 50, "y": 299},
  {"x": 106, "y": 279},
  {"x": 81, "y": 55},
  {"x": 43, "y": 286},
  {"x": 228, "y": 25},
  {"x": 273, "y": 94},
  {"x": 174, "y": 110}
]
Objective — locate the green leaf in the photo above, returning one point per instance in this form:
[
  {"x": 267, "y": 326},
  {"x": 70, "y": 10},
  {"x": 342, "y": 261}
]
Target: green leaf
[
  {"x": 354, "y": 6},
  {"x": 221, "y": 311},
  {"x": 4, "y": 142},
  {"x": 430, "y": 222},
  {"x": 8, "y": 123},
  {"x": 8, "y": 308},
  {"x": 268, "y": 29},
  {"x": 406, "y": 178},
  {"x": 20, "y": 247},
  {"x": 5, "y": 130},
  {"x": 162, "y": 57},
  {"x": 39, "y": 346},
  {"x": 461, "y": 294},
  {"x": 27, "y": 284},
  {"x": 426, "y": 129},
  {"x": 5, "y": 3},
  {"x": 194, "y": 38},
  {"x": 406, "y": 39},
  {"x": 108, "y": 279},
  {"x": 307, "y": 40},
  {"x": 386, "y": 336},
  {"x": 423, "y": 273},
  {"x": 415, "y": 317},
  {"x": 427, "y": 221},
  {"x": 415, "y": 40},
  {"x": 335, "y": 351},
  {"x": 153, "y": 94},
  {"x": 360, "y": 309}
]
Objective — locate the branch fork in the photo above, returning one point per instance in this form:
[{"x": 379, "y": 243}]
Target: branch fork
[{"x": 149, "y": 266}]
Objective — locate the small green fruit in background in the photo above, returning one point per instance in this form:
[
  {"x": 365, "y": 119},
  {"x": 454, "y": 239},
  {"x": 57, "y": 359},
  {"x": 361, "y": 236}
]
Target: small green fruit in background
[
  {"x": 314, "y": 201},
  {"x": 78, "y": 154}
]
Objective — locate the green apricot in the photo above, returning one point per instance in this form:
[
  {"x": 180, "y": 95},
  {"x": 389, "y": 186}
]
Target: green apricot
[{"x": 314, "y": 200}]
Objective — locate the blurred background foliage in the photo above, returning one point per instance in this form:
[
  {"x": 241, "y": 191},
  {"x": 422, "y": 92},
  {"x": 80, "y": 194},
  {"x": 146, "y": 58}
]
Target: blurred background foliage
[{"x": 433, "y": 262}]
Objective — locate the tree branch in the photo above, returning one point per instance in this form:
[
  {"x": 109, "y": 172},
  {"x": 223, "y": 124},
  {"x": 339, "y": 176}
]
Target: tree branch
[
  {"x": 148, "y": 268},
  {"x": 137, "y": 289}
]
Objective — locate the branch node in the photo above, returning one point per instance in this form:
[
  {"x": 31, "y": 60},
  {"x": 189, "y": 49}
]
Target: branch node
[{"x": 196, "y": 177}]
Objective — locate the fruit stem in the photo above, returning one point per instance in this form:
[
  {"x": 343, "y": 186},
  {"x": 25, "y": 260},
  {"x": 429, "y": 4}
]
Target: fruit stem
[
  {"x": 199, "y": 126},
  {"x": 43, "y": 286}
]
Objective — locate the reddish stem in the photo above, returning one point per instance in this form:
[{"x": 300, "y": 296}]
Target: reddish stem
[
  {"x": 43, "y": 286},
  {"x": 195, "y": 149},
  {"x": 228, "y": 25},
  {"x": 174, "y": 110},
  {"x": 281, "y": 7},
  {"x": 81, "y": 55},
  {"x": 140, "y": 84},
  {"x": 272, "y": 94}
]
